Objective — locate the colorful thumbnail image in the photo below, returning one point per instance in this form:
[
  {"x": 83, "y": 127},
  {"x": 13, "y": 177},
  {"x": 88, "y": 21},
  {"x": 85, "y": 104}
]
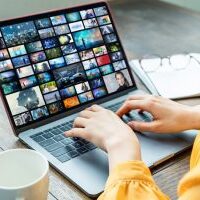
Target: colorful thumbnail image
[
  {"x": 44, "y": 77},
  {"x": 76, "y": 26},
  {"x": 113, "y": 47},
  {"x": 87, "y": 39},
  {"x": 38, "y": 57},
  {"x": 41, "y": 67},
  {"x": 106, "y": 69},
  {"x": 117, "y": 56},
  {"x": 17, "y": 51},
  {"x": 43, "y": 23},
  {"x": 50, "y": 43},
  {"x": 52, "y": 97},
  {"x": 68, "y": 92},
  {"x": 25, "y": 100},
  {"x": 85, "y": 97},
  {"x": 39, "y": 113},
  {"x": 46, "y": 33},
  {"x": 110, "y": 38},
  {"x": 119, "y": 65},
  {"x": 101, "y": 11},
  {"x": 62, "y": 29},
  {"x": 93, "y": 73},
  {"x": 20, "y": 33},
  {"x": 104, "y": 20},
  {"x": 28, "y": 82},
  {"x": 72, "y": 58},
  {"x": 99, "y": 92},
  {"x": 55, "y": 107},
  {"x": 57, "y": 63},
  {"x": 89, "y": 64},
  {"x": 2, "y": 44},
  {"x": 65, "y": 39},
  {"x": 71, "y": 102},
  {"x": 48, "y": 87},
  {"x": 71, "y": 74},
  {"x": 103, "y": 60},
  {"x": 118, "y": 81},
  {"x": 96, "y": 83},
  {"x": 7, "y": 77},
  {"x": 99, "y": 51},
  {"x": 90, "y": 23},
  {"x": 107, "y": 29},
  {"x": 34, "y": 46},
  {"x": 87, "y": 54},
  {"x": 24, "y": 118},
  {"x": 72, "y": 17},
  {"x": 21, "y": 61},
  {"x": 68, "y": 49},
  {"x": 24, "y": 71},
  {"x": 57, "y": 20},
  {"x": 82, "y": 87},
  {"x": 5, "y": 65},
  {"x": 53, "y": 53},
  {"x": 87, "y": 14},
  {"x": 4, "y": 54},
  {"x": 10, "y": 87}
]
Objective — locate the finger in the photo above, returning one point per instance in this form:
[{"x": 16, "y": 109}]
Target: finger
[
  {"x": 144, "y": 126},
  {"x": 76, "y": 132},
  {"x": 80, "y": 122},
  {"x": 86, "y": 114},
  {"x": 138, "y": 97},
  {"x": 132, "y": 105},
  {"x": 95, "y": 108}
]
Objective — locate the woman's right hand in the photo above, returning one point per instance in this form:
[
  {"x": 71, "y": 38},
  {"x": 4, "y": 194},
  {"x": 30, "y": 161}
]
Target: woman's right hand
[{"x": 168, "y": 116}]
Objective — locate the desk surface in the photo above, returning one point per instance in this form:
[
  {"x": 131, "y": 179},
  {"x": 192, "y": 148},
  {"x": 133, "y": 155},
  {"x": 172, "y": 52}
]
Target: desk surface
[{"x": 146, "y": 27}]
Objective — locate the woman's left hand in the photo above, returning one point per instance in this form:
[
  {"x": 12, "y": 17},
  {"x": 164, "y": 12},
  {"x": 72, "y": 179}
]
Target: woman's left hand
[{"x": 107, "y": 131}]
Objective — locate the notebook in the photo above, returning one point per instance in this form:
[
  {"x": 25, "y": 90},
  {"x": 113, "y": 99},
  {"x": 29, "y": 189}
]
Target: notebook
[{"x": 171, "y": 83}]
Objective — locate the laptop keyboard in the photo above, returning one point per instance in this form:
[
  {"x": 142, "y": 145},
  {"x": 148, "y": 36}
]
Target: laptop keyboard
[{"x": 65, "y": 148}]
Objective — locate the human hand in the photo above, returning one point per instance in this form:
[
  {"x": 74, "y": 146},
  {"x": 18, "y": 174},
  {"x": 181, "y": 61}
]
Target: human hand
[
  {"x": 168, "y": 116},
  {"x": 106, "y": 130}
]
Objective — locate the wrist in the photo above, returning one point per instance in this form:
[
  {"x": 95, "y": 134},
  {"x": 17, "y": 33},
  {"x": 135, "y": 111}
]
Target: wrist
[
  {"x": 123, "y": 150},
  {"x": 194, "y": 117}
]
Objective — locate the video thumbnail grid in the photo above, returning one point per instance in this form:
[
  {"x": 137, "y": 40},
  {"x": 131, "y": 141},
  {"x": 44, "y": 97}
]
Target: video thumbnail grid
[{"x": 50, "y": 65}]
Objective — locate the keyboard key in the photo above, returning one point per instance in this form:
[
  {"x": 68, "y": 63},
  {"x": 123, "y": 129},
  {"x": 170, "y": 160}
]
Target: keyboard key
[
  {"x": 47, "y": 135},
  {"x": 54, "y": 146},
  {"x": 37, "y": 134},
  {"x": 78, "y": 144},
  {"x": 82, "y": 150},
  {"x": 38, "y": 138},
  {"x": 56, "y": 131},
  {"x": 90, "y": 146},
  {"x": 59, "y": 152},
  {"x": 63, "y": 129},
  {"x": 47, "y": 142},
  {"x": 64, "y": 158},
  {"x": 67, "y": 141},
  {"x": 59, "y": 137},
  {"x": 70, "y": 147},
  {"x": 73, "y": 154}
]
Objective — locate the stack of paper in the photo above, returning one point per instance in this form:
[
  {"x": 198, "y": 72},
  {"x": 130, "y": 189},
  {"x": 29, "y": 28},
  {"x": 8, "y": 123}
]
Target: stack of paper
[{"x": 171, "y": 83}]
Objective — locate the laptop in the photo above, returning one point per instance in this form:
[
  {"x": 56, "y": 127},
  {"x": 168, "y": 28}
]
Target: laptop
[{"x": 55, "y": 64}]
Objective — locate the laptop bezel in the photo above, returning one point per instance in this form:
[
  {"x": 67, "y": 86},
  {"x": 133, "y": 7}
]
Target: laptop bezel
[{"x": 109, "y": 97}]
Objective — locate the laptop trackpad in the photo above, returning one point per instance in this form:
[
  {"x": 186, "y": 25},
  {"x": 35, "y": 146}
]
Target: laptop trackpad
[{"x": 89, "y": 171}]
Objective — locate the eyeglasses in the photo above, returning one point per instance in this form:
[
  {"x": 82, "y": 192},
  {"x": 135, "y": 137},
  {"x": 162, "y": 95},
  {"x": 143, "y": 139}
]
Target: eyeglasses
[{"x": 152, "y": 63}]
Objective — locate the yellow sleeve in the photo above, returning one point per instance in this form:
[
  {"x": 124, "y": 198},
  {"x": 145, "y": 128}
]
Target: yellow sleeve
[
  {"x": 189, "y": 186},
  {"x": 131, "y": 180}
]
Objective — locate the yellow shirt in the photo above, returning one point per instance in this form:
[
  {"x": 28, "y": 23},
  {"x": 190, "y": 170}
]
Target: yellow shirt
[{"x": 133, "y": 180}]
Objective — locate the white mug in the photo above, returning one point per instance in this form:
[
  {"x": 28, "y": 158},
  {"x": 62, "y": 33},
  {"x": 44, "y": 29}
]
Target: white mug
[{"x": 23, "y": 175}]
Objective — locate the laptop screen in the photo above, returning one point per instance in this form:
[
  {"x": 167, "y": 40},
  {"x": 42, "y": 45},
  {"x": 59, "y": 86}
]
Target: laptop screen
[{"x": 54, "y": 62}]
